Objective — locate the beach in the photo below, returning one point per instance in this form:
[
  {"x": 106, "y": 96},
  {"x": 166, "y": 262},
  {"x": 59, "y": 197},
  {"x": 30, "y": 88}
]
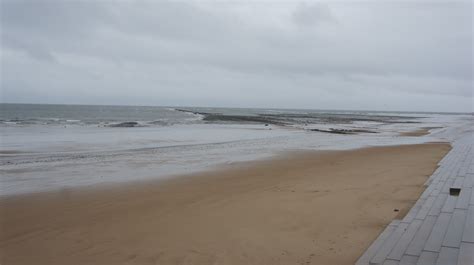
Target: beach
[
  {"x": 236, "y": 133},
  {"x": 311, "y": 207}
]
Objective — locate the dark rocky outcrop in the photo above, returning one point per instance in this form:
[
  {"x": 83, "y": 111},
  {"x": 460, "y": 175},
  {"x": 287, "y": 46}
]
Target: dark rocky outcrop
[
  {"x": 126, "y": 124},
  {"x": 343, "y": 131}
]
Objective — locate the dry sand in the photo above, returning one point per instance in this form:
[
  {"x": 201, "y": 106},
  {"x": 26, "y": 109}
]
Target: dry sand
[{"x": 307, "y": 208}]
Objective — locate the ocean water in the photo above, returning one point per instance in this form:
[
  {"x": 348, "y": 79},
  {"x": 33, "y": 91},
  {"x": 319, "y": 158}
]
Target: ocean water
[
  {"x": 51, "y": 147},
  {"x": 50, "y": 114},
  {"x": 42, "y": 114}
]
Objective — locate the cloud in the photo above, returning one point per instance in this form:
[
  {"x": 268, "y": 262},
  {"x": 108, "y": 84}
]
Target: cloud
[
  {"x": 309, "y": 15},
  {"x": 221, "y": 53}
]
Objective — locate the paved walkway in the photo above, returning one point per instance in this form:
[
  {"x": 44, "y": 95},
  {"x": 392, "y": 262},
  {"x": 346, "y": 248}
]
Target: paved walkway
[{"x": 439, "y": 229}]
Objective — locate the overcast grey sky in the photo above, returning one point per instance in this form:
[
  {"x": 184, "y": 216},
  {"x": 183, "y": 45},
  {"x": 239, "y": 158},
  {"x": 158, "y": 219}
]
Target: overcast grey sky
[{"x": 397, "y": 55}]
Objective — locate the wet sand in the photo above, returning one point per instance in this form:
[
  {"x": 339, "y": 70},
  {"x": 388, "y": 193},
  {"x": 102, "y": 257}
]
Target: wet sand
[
  {"x": 419, "y": 132},
  {"x": 303, "y": 208}
]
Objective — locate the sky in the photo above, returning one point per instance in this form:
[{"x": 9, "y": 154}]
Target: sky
[{"x": 403, "y": 55}]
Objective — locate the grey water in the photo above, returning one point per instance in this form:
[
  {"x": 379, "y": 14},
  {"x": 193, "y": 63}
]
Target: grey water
[
  {"x": 88, "y": 114},
  {"x": 51, "y": 114}
]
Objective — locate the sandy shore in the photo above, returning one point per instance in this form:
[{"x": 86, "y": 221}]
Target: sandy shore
[
  {"x": 306, "y": 208},
  {"x": 420, "y": 132}
]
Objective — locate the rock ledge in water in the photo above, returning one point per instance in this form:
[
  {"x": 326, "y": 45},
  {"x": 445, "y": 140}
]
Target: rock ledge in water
[{"x": 125, "y": 124}]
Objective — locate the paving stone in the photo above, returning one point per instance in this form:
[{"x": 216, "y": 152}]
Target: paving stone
[
  {"x": 464, "y": 198},
  {"x": 427, "y": 258},
  {"x": 388, "y": 245},
  {"x": 438, "y": 204},
  {"x": 402, "y": 244},
  {"x": 425, "y": 207},
  {"x": 472, "y": 197},
  {"x": 408, "y": 260},
  {"x": 436, "y": 237},
  {"x": 391, "y": 262},
  {"x": 449, "y": 205},
  {"x": 421, "y": 236},
  {"x": 468, "y": 232},
  {"x": 370, "y": 252},
  {"x": 458, "y": 182},
  {"x": 466, "y": 254},
  {"x": 448, "y": 256},
  {"x": 455, "y": 229}
]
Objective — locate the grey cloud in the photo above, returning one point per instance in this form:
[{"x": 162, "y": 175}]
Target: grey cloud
[
  {"x": 209, "y": 49},
  {"x": 313, "y": 14},
  {"x": 38, "y": 27}
]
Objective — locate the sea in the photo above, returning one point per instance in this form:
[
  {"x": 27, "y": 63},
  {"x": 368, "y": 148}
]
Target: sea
[{"x": 47, "y": 147}]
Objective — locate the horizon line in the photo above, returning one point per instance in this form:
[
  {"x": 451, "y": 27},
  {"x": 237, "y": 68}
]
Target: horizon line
[{"x": 221, "y": 107}]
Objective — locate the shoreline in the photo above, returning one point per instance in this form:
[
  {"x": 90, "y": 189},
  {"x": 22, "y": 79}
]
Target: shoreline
[
  {"x": 263, "y": 212},
  {"x": 70, "y": 158},
  {"x": 419, "y": 132}
]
